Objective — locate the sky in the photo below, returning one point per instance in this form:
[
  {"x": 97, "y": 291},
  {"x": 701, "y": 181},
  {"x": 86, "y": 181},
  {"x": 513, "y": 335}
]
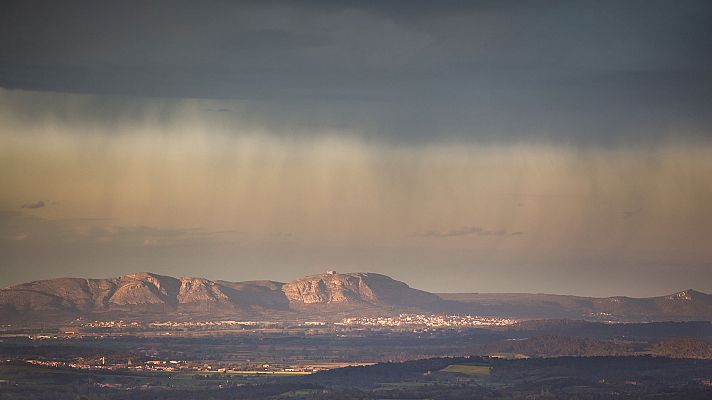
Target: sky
[{"x": 481, "y": 146}]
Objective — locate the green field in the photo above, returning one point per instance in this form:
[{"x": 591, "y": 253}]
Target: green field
[{"x": 468, "y": 369}]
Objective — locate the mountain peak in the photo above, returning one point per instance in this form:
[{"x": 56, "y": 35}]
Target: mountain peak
[
  {"x": 689, "y": 294},
  {"x": 355, "y": 287}
]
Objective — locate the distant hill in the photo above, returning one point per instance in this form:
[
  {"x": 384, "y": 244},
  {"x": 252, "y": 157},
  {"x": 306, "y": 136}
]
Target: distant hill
[
  {"x": 686, "y": 305},
  {"x": 328, "y": 296}
]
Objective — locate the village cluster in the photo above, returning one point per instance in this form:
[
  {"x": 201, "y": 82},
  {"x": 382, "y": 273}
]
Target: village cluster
[{"x": 428, "y": 320}]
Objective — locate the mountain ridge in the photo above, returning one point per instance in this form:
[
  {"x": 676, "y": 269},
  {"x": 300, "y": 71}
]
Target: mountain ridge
[
  {"x": 684, "y": 305},
  {"x": 329, "y": 295}
]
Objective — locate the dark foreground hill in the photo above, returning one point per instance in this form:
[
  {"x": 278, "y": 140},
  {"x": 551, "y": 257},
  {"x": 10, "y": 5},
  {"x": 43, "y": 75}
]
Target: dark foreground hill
[
  {"x": 456, "y": 378},
  {"x": 328, "y": 296}
]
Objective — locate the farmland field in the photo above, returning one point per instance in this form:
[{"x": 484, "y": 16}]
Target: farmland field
[{"x": 468, "y": 369}]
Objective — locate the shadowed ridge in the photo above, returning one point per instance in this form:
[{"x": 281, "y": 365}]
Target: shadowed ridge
[
  {"x": 145, "y": 288},
  {"x": 259, "y": 294}
]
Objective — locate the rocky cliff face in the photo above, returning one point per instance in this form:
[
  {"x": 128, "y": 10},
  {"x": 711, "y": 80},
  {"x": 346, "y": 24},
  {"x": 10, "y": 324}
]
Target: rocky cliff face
[
  {"x": 199, "y": 290},
  {"x": 135, "y": 291},
  {"x": 355, "y": 288},
  {"x": 329, "y": 288}
]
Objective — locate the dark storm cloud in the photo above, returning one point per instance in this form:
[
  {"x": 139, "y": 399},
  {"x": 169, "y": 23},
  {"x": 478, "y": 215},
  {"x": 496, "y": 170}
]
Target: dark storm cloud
[
  {"x": 7, "y": 215},
  {"x": 34, "y": 205},
  {"x": 93, "y": 246},
  {"x": 406, "y": 71},
  {"x": 631, "y": 213},
  {"x": 469, "y": 231},
  {"x": 90, "y": 232}
]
